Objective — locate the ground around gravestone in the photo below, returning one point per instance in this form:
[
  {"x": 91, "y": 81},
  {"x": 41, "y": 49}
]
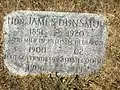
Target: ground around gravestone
[{"x": 108, "y": 78}]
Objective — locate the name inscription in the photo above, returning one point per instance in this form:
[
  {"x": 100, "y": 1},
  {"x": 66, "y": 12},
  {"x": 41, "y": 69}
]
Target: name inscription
[{"x": 43, "y": 42}]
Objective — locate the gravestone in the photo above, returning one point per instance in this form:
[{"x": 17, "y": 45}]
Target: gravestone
[{"x": 63, "y": 42}]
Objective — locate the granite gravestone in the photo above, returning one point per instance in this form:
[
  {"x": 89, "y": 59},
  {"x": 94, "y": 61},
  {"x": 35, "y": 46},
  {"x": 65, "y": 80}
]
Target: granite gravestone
[{"x": 43, "y": 42}]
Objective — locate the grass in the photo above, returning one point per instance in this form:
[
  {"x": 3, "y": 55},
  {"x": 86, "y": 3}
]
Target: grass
[{"x": 108, "y": 78}]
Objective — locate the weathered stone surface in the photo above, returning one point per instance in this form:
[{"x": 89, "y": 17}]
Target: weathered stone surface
[{"x": 67, "y": 43}]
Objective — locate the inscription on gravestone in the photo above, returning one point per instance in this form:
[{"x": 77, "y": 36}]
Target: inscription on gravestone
[{"x": 43, "y": 42}]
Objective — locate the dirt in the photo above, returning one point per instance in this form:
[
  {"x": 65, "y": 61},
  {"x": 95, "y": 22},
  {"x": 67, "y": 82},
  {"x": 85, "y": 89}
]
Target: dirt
[{"x": 108, "y": 77}]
